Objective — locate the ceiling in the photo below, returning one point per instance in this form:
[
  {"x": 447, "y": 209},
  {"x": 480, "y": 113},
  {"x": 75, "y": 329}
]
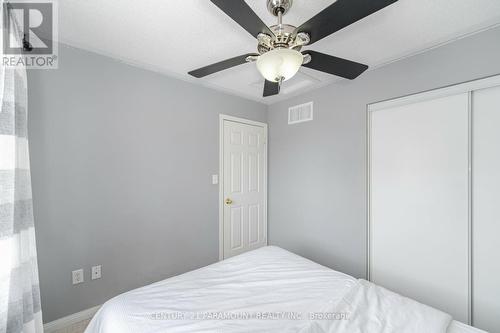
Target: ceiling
[{"x": 176, "y": 36}]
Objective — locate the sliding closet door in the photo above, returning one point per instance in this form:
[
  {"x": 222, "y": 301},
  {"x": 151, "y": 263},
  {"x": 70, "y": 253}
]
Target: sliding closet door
[
  {"x": 486, "y": 208},
  {"x": 419, "y": 202}
]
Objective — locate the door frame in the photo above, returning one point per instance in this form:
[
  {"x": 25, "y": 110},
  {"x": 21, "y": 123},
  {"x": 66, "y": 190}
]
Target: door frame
[{"x": 222, "y": 118}]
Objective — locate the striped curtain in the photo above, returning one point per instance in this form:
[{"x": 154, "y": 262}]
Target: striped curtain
[{"x": 20, "y": 309}]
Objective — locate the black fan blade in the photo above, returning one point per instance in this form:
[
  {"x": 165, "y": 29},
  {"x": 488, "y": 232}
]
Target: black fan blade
[
  {"x": 333, "y": 65},
  {"x": 220, "y": 66},
  {"x": 242, "y": 14},
  {"x": 339, "y": 15},
  {"x": 271, "y": 88}
]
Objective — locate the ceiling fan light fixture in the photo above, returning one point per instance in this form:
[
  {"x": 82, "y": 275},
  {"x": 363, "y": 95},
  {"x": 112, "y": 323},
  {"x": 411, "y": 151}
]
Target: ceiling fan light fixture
[
  {"x": 278, "y": 46},
  {"x": 279, "y": 64}
]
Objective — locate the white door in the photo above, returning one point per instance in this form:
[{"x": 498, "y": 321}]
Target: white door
[
  {"x": 419, "y": 202},
  {"x": 244, "y": 185}
]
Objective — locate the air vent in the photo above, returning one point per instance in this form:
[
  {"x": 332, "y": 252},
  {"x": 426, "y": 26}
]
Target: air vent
[{"x": 300, "y": 113}]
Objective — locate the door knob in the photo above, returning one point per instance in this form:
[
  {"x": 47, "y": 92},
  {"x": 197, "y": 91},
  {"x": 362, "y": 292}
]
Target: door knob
[{"x": 229, "y": 201}]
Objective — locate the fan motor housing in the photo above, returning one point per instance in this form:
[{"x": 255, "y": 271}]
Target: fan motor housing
[{"x": 284, "y": 35}]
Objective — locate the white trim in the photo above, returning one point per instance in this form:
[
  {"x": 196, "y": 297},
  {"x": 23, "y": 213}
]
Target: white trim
[
  {"x": 368, "y": 194},
  {"x": 455, "y": 89},
  {"x": 222, "y": 118},
  {"x": 469, "y": 209},
  {"x": 161, "y": 70},
  {"x": 72, "y": 319},
  {"x": 221, "y": 186},
  {"x": 278, "y": 98}
]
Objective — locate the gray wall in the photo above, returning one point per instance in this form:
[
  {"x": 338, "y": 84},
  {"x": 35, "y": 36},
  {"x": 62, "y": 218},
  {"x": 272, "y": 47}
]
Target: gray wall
[
  {"x": 317, "y": 169},
  {"x": 121, "y": 169}
]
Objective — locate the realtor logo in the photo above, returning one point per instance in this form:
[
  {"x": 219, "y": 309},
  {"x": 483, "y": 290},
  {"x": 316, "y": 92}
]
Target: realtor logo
[{"x": 29, "y": 34}]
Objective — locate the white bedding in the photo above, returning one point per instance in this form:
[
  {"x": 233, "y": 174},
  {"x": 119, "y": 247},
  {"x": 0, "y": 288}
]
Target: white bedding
[
  {"x": 266, "y": 290},
  {"x": 372, "y": 308}
]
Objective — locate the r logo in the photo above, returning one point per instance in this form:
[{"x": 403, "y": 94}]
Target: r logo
[{"x": 35, "y": 20}]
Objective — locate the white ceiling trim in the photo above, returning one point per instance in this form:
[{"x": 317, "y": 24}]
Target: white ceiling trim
[
  {"x": 158, "y": 70},
  {"x": 436, "y": 45},
  {"x": 276, "y": 99},
  {"x": 157, "y": 36}
]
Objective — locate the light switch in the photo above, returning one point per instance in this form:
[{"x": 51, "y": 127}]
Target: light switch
[
  {"x": 96, "y": 272},
  {"x": 215, "y": 179},
  {"x": 77, "y": 276}
]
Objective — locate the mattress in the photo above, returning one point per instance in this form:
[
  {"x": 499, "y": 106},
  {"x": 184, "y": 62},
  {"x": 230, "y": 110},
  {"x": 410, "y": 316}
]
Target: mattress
[{"x": 265, "y": 290}]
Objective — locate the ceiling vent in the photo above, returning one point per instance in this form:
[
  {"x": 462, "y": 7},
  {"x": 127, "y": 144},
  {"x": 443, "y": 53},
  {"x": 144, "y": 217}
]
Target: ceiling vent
[{"x": 300, "y": 113}]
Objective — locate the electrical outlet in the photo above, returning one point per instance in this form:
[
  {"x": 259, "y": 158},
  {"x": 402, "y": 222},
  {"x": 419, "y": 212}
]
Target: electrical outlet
[
  {"x": 96, "y": 272},
  {"x": 77, "y": 276}
]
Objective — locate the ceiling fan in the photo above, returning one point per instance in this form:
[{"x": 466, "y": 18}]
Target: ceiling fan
[{"x": 279, "y": 57}]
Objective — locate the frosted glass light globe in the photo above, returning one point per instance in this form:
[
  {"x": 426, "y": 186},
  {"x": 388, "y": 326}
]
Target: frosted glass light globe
[{"x": 279, "y": 63}]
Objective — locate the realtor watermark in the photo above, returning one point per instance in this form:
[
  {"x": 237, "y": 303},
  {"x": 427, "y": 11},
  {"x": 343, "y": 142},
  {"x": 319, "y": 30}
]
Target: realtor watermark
[
  {"x": 259, "y": 315},
  {"x": 30, "y": 34}
]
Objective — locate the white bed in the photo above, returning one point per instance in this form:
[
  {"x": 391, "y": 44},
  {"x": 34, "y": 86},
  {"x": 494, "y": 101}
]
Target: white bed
[{"x": 267, "y": 290}]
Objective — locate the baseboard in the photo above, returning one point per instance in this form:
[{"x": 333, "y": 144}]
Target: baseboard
[{"x": 72, "y": 319}]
